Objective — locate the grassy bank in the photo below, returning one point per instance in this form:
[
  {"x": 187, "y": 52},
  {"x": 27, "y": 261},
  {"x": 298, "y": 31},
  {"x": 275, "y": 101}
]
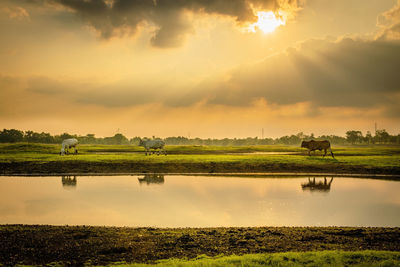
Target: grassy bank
[
  {"x": 290, "y": 259},
  {"x": 39, "y": 158},
  {"x": 85, "y": 149},
  {"x": 76, "y": 245}
]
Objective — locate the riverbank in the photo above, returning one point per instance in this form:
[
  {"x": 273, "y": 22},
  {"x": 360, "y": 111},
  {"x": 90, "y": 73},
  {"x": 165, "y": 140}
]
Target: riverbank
[
  {"x": 76, "y": 245},
  {"x": 84, "y": 167}
]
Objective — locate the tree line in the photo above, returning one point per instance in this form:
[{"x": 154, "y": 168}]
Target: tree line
[{"x": 352, "y": 137}]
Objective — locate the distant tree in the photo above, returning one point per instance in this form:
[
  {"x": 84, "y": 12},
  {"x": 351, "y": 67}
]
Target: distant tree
[
  {"x": 117, "y": 139},
  {"x": 29, "y": 136},
  {"x": 134, "y": 141},
  {"x": 334, "y": 139},
  {"x": 90, "y": 138},
  {"x": 11, "y": 136},
  {"x": 59, "y": 138},
  {"x": 354, "y": 137},
  {"x": 250, "y": 141},
  {"x": 87, "y": 139},
  {"x": 381, "y": 136},
  {"x": 178, "y": 140},
  {"x": 45, "y": 138},
  {"x": 368, "y": 138},
  {"x": 225, "y": 142},
  {"x": 301, "y": 136},
  {"x": 266, "y": 141},
  {"x": 289, "y": 140}
]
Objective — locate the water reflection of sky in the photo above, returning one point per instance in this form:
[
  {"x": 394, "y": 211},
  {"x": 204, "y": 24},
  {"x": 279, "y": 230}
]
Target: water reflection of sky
[{"x": 197, "y": 201}]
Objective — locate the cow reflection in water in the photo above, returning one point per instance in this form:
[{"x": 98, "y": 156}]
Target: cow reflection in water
[
  {"x": 313, "y": 185},
  {"x": 152, "y": 179},
  {"x": 68, "y": 182}
]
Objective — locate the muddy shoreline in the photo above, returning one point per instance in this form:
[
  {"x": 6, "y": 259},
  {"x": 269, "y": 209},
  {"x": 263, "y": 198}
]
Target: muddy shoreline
[
  {"x": 76, "y": 245},
  {"x": 56, "y": 167}
]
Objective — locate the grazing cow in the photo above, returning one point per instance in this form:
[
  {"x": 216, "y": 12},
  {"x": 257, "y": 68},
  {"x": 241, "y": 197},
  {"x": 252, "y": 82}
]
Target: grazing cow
[
  {"x": 153, "y": 144},
  {"x": 67, "y": 144},
  {"x": 317, "y": 145}
]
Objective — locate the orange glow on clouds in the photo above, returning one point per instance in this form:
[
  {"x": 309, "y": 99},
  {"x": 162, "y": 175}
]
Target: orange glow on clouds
[{"x": 267, "y": 21}]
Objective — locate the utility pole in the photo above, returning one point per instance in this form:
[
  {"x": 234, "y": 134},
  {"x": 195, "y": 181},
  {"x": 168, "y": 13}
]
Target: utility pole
[
  {"x": 262, "y": 133},
  {"x": 376, "y": 127}
]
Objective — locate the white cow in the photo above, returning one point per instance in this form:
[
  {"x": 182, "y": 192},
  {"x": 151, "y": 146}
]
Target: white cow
[
  {"x": 67, "y": 144},
  {"x": 153, "y": 144}
]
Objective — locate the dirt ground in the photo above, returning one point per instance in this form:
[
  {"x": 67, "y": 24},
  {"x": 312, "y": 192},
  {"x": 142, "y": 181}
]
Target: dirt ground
[
  {"x": 206, "y": 167},
  {"x": 76, "y": 245}
]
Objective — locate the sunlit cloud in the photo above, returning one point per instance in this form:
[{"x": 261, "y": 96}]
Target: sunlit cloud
[
  {"x": 168, "y": 18},
  {"x": 389, "y": 22},
  {"x": 18, "y": 13},
  {"x": 267, "y": 21},
  {"x": 78, "y": 61}
]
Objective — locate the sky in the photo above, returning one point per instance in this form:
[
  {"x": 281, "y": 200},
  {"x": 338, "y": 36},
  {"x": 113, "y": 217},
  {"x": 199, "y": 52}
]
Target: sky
[{"x": 200, "y": 68}]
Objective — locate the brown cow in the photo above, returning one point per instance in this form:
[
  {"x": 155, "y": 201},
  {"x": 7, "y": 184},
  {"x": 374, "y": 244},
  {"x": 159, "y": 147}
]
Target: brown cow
[{"x": 317, "y": 145}]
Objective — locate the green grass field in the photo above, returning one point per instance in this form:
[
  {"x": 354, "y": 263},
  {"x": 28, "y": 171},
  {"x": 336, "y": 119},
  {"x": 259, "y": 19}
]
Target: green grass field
[
  {"x": 378, "y": 159},
  {"x": 55, "y": 149},
  {"x": 290, "y": 259}
]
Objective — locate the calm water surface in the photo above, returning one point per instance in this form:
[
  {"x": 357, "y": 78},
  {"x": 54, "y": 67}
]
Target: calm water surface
[{"x": 199, "y": 201}]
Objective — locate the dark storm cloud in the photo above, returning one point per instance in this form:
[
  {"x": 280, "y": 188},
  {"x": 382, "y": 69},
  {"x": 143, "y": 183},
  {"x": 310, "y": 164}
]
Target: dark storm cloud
[
  {"x": 113, "y": 17},
  {"x": 352, "y": 73}
]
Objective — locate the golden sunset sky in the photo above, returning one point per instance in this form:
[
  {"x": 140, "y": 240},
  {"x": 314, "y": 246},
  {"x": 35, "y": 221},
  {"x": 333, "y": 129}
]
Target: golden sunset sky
[{"x": 208, "y": 68}]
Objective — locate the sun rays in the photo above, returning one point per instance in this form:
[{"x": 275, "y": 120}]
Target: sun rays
[{"x": 268, "y": 21}]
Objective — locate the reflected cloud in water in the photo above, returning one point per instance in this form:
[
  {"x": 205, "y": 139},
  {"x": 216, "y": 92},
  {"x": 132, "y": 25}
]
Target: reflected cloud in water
[
  {"x": 152, "y": 178},
  {"x": 317, "y": 185},
  {"x": 198, "y": 201}
]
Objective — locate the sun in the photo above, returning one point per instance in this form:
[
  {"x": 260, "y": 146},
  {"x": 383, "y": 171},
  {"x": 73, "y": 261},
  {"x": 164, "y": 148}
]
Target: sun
[{"x": 267, "y": 21}]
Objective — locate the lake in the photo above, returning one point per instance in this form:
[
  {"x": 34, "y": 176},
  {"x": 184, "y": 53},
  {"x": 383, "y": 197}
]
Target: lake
[{"x": 199, "y": 201}]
